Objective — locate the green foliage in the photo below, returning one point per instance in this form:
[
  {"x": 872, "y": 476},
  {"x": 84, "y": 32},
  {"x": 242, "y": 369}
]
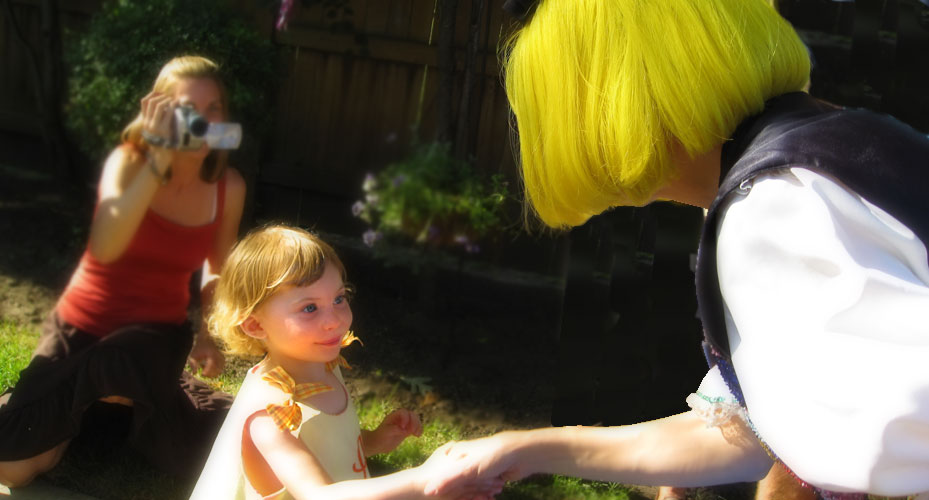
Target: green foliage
[
  {"x": 113, "y": 64},
  {"x": 433, "y": 200}
]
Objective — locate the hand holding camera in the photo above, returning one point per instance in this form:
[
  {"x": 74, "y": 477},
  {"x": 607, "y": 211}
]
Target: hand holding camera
[{"x": 169, "y": 125}]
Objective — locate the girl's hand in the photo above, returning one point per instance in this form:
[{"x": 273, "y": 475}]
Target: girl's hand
[
  {"x": 207, "y": 356},
  {"x": 393, "y": 430},
  {"x": 481, "y": 463}
]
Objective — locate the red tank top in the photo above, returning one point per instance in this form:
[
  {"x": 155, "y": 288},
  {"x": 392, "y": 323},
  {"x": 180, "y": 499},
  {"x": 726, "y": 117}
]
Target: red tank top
[{"x": 148, "y": 283}]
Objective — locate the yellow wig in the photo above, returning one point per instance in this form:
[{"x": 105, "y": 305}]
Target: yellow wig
[
  {"x": 601, "y": 91},
  {"x": 262, "y": 262}
]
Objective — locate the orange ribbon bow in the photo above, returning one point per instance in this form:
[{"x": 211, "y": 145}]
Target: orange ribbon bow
[{"x": 289, "y": 416}]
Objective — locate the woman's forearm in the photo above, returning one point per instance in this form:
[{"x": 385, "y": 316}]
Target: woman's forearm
[
  {"x": 119, "y": 215},
  {"x": 399, "y": 485},
  {"x": 677, "y": 450}
]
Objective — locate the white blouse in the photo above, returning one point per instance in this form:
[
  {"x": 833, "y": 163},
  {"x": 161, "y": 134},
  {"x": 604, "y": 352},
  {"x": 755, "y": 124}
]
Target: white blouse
[{"x": 827, "y": 310}]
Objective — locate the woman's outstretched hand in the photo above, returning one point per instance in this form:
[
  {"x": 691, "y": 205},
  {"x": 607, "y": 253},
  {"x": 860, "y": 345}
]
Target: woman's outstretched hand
[{"x": 462, "y": 466}]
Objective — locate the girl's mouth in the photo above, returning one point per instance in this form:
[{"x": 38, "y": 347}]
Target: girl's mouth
[{"x": 331, "y": 342}]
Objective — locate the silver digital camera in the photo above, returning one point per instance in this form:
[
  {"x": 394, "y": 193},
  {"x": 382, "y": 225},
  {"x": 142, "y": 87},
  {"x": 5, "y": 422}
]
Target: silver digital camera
[{"x": 190, "y": 131}]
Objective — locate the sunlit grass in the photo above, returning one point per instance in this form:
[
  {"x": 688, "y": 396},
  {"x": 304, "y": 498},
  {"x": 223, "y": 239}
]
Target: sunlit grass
[
  {"x": 16, "y": 345},
  {"x": 546, "y": 487}
]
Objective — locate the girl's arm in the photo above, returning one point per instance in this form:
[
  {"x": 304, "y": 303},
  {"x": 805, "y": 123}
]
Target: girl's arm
[
  {"x": 679, "y": 450},
  {"x": 304, "y": 477},
  {"x": 204, "y": 353},
  {"x": 127, "y": 187}
]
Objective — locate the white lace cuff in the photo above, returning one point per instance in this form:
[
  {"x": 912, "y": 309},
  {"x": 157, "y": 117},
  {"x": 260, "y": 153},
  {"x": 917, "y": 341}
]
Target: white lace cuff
[
  {"x": 713, "y": 402},
  {"x": 714, "y": 411}
]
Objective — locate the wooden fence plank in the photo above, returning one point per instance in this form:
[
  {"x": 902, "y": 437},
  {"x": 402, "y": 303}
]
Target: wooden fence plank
[
  {"x": 385, "y": 49},
  {"x": 421, "y": 15},
  {"x": 398, "y": 23},
  {"x": 375, "y": 22}
]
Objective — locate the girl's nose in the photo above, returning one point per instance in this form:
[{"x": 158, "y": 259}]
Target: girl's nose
[{"x": 330, "y": 319}]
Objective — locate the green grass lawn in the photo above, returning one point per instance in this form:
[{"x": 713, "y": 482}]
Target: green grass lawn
[{"x": 16, "y": 345}]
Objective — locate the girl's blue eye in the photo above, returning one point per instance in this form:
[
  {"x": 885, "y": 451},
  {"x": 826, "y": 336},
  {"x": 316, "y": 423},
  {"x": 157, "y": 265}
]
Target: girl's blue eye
[
  {"x": 340, "y": 299},
  {"x": 310, "y": 308}
]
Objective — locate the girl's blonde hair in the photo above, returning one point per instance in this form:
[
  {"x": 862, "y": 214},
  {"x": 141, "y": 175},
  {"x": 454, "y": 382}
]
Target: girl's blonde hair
[
  {"x": 259, "y": 264},
  {"x": 601, "y": 90},
  {"x": 175, "y": 70}
]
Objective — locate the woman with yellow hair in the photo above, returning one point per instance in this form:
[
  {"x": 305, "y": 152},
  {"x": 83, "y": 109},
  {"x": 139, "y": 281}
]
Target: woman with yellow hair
[
  {"x": 812, "y": 275},
  {"x": 119, "y": 337}
]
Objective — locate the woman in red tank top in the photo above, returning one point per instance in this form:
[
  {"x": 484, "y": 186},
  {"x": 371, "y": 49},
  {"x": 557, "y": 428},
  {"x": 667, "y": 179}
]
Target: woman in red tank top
[{"x": 119, "y": 336}]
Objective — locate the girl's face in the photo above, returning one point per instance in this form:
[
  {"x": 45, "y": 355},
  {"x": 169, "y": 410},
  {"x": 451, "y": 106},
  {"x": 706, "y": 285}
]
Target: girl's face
[
  {"x": 305, "y": 324},
  {"x": 203, "y": 95}
]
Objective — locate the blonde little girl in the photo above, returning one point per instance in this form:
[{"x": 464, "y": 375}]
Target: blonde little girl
[{"x": 292, "y": 430}]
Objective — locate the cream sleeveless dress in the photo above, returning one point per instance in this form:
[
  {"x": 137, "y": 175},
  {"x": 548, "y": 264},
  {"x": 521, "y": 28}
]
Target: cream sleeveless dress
[{"x": 335, "y": 440}]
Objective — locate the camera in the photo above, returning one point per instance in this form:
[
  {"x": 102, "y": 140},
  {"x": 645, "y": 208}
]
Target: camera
[{"x": 190, "y": 131}]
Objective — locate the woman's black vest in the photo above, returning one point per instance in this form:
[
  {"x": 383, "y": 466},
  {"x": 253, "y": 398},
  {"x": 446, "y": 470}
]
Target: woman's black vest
[{"x": 880, "y": 158}]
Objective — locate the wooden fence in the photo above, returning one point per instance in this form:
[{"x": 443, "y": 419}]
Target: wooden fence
[
  {"x": 19, "y": 76},
  {"x": 869, "y": 53},
  {"x": 349, "y": 101}
]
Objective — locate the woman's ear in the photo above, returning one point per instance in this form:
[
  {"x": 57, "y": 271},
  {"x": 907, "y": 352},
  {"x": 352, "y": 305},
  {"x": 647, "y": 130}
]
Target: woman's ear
[{"x": 252, "y": 327}]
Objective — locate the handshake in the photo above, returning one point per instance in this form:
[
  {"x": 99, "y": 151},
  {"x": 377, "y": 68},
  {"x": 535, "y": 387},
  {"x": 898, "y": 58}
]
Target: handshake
[{"x": 472, "y": 470}]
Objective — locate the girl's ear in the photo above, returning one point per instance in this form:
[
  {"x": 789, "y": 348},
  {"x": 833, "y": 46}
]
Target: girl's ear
[{"x": 252, "y": 327}]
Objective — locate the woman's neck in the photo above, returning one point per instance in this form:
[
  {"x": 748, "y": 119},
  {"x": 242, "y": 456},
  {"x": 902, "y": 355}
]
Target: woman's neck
[
  {"x": 184, "y": 171},
  {"x": 698, "y": 178}
]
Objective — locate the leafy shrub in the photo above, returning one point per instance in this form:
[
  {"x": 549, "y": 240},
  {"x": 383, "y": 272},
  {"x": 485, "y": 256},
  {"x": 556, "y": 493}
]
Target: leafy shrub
[
  {"x": 114, "y": 62},
  {"x": 433, "y": 200}
]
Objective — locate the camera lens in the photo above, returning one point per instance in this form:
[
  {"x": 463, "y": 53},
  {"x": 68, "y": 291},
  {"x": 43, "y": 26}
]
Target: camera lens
[{"x": 198, "y": 125}]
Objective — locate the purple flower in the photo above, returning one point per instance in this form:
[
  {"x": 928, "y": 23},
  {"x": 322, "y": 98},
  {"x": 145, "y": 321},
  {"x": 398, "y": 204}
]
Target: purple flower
[
  {"x": 358, "y": 208},
  {"x": 369, "y": 183},
  {"x": 370, "y": 237},
  {"x": 399, "y": 179},
  {"x": 284, "y": 13},
  {"x": 472, "y": 248},
  {"x": 432, "y": 233},
  {"x": 373, "y": 199},
  {"x": 462, "y": 239}
]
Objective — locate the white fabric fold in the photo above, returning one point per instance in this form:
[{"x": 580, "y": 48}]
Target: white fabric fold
[{"x": 827, "y": 309}]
